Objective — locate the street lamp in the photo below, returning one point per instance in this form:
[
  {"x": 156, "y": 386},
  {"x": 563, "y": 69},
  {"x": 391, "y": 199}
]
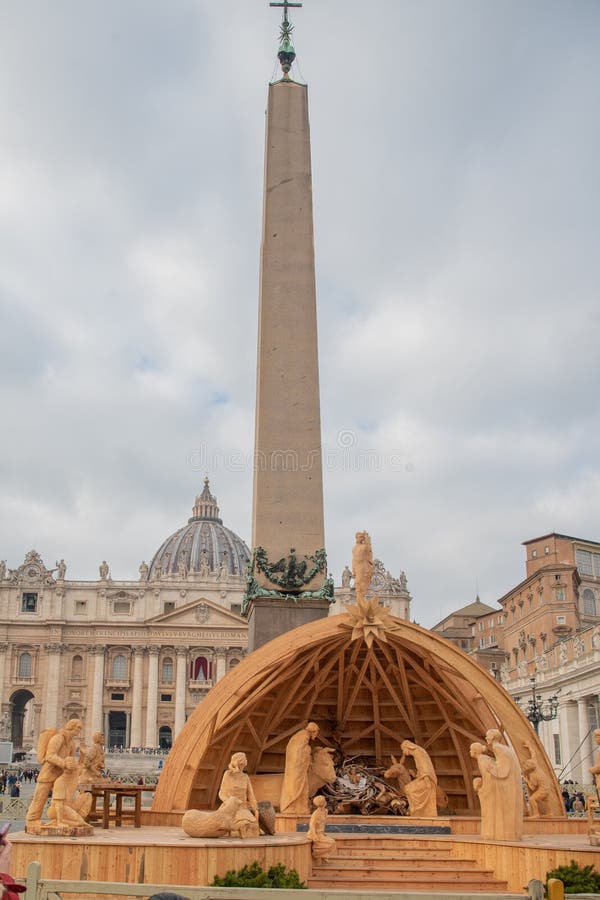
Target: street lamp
[{"x": 539, "y": 710}]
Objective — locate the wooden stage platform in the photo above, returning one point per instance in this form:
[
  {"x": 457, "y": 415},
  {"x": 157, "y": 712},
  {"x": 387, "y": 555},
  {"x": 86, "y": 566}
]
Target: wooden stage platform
[{"x": 450, "y": 862}]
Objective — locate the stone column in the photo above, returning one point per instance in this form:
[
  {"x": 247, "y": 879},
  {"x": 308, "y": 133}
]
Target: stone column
[
  {"x": 53, "y": 682},
  {"x": 97, "y": 719},
  {"x": 152, "y": 701},
  {"x": 585, "y": 754},
  {"x": 3, "y": 649},
  {"x": 569, "y": 743},
  {"x": 136, "y": 696},
  {"x": 180, "y": 691},
  {"x": 221, "y": 654}
]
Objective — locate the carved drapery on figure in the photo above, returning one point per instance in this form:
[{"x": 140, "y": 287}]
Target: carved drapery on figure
[
  {"x": 92, "y": 762},
  {"x": 236, "y": 783},
  {"x": 298, "y": 757},
  {"x": 421, "y": 791},
  {"x": 499, "y": 789},
  {"x": 322, "y": 846},
  {"x": 595, "y": 769},
  {"x": 362, "y": 565}
]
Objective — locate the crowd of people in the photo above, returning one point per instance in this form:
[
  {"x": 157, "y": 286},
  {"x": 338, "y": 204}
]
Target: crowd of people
[
  {"x": 573, "y": 799},
  {"x": 11, "y": 781}
]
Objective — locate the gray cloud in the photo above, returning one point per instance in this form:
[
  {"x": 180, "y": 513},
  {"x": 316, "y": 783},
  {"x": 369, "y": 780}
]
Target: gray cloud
[{"x": 455, "y": 157}]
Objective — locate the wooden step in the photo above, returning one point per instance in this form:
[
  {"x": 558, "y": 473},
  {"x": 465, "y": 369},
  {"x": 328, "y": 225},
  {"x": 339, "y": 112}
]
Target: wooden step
[
  {"x": 385, "y": 842},
  {"x": 433, "y": 876},
  {"x": 405, "y": 885},
  {"x": 405, "y": 862},
  {"x": 393, "y": 852},
  {"x": 401, "y": 863}
]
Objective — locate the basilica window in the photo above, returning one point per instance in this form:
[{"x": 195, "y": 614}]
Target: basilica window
[
  {"x": 200, "y": 669},
  {"x": 77, "y": 668},
  {"x": 119, "y": 668},
  {"x": 122, "y": 607},
  {"x": 167, "y": 669},
  {"x": 233, "y": 662},
  {"x": 29, "y": 603},
  {"x": 589, "y": 602},
  {"x": 24, "y": 668}
]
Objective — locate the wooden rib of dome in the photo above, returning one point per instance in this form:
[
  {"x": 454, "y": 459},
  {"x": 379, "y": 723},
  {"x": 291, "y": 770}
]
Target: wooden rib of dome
[{"x": 366, "y": 701}]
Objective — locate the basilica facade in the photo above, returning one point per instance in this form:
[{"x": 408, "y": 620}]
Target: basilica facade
[{"x": 130, "y": 658}]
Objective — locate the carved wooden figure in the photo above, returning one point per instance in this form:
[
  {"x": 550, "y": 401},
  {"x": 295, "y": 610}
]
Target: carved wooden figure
[
  {"x": 362, "y": 565},
  {"x": 67, "y": 809},
  {"x": 321, "y": 771},
  {"x": 219, "y": 823},
  {"x": 298, "y": 757},
  {"x": 323, "y": 846},
  {"x": 54, "y": 748},
  {"x": 92, "y": 760},
  {"x": 595, "y": 769},
  {"x": 421, "y": 792},
  {"x": 235, "y": 783},
  {"x": 499, "y": 789},
  {"x": 399, "y": 771},
  {"x": 538, "y": 788}
]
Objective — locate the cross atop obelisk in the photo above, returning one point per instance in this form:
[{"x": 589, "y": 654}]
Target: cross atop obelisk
[
  {"x": 287, "y": 583},
  {"x": 286, "y": 54}
]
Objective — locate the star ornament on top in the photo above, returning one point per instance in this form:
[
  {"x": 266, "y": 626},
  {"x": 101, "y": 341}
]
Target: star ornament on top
[{"x": 368, "y": 619}]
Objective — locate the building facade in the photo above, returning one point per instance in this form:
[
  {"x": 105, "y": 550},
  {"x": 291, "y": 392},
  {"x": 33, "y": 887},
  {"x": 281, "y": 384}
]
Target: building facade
[
  {"x": 542, "y": 640},
  {"x": 130, "y": 658}
]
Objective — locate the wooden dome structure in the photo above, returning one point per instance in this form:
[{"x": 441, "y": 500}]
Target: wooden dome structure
[{"x": 368, "y": 685}]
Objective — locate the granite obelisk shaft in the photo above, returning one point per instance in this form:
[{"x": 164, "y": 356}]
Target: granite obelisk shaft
[{"x": 288, "y": 480}]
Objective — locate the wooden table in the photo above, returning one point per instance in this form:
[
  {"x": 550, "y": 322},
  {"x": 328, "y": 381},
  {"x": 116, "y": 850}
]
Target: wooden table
[{"x": 119, "y": 814}]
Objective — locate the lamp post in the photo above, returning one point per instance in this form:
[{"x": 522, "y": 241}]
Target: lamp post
[{"x": 539, "y": 710}]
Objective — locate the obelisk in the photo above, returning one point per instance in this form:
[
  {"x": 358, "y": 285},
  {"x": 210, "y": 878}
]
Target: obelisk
[{"x": 288, "y": 584}]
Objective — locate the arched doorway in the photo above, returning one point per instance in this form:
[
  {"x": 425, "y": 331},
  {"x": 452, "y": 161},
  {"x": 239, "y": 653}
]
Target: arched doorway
[
  {"x": 19, "y": 708},
  {"x": 165, "y": 737},
  {"x": 117, "y": 729}
]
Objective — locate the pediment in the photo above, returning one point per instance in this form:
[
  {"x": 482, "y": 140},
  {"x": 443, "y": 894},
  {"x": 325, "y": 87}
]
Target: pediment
[{"x": 199, "y": 612}]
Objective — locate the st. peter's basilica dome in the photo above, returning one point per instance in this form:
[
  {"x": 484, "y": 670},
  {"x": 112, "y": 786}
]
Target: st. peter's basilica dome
[{"x": 202, "y": 546}]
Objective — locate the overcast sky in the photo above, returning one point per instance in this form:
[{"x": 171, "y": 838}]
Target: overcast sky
[{"x": 456, "y": 148}]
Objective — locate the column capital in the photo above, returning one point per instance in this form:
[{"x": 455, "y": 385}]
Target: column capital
[
  {"x": 139, "y": 651},
  {"x": 98, "y": 651},
  {"x": 153, "y": 651},
  {"x": 221, "y": 652},
  {"x": 3, "y": 646},
  {"x": 55, "y": 648}
]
